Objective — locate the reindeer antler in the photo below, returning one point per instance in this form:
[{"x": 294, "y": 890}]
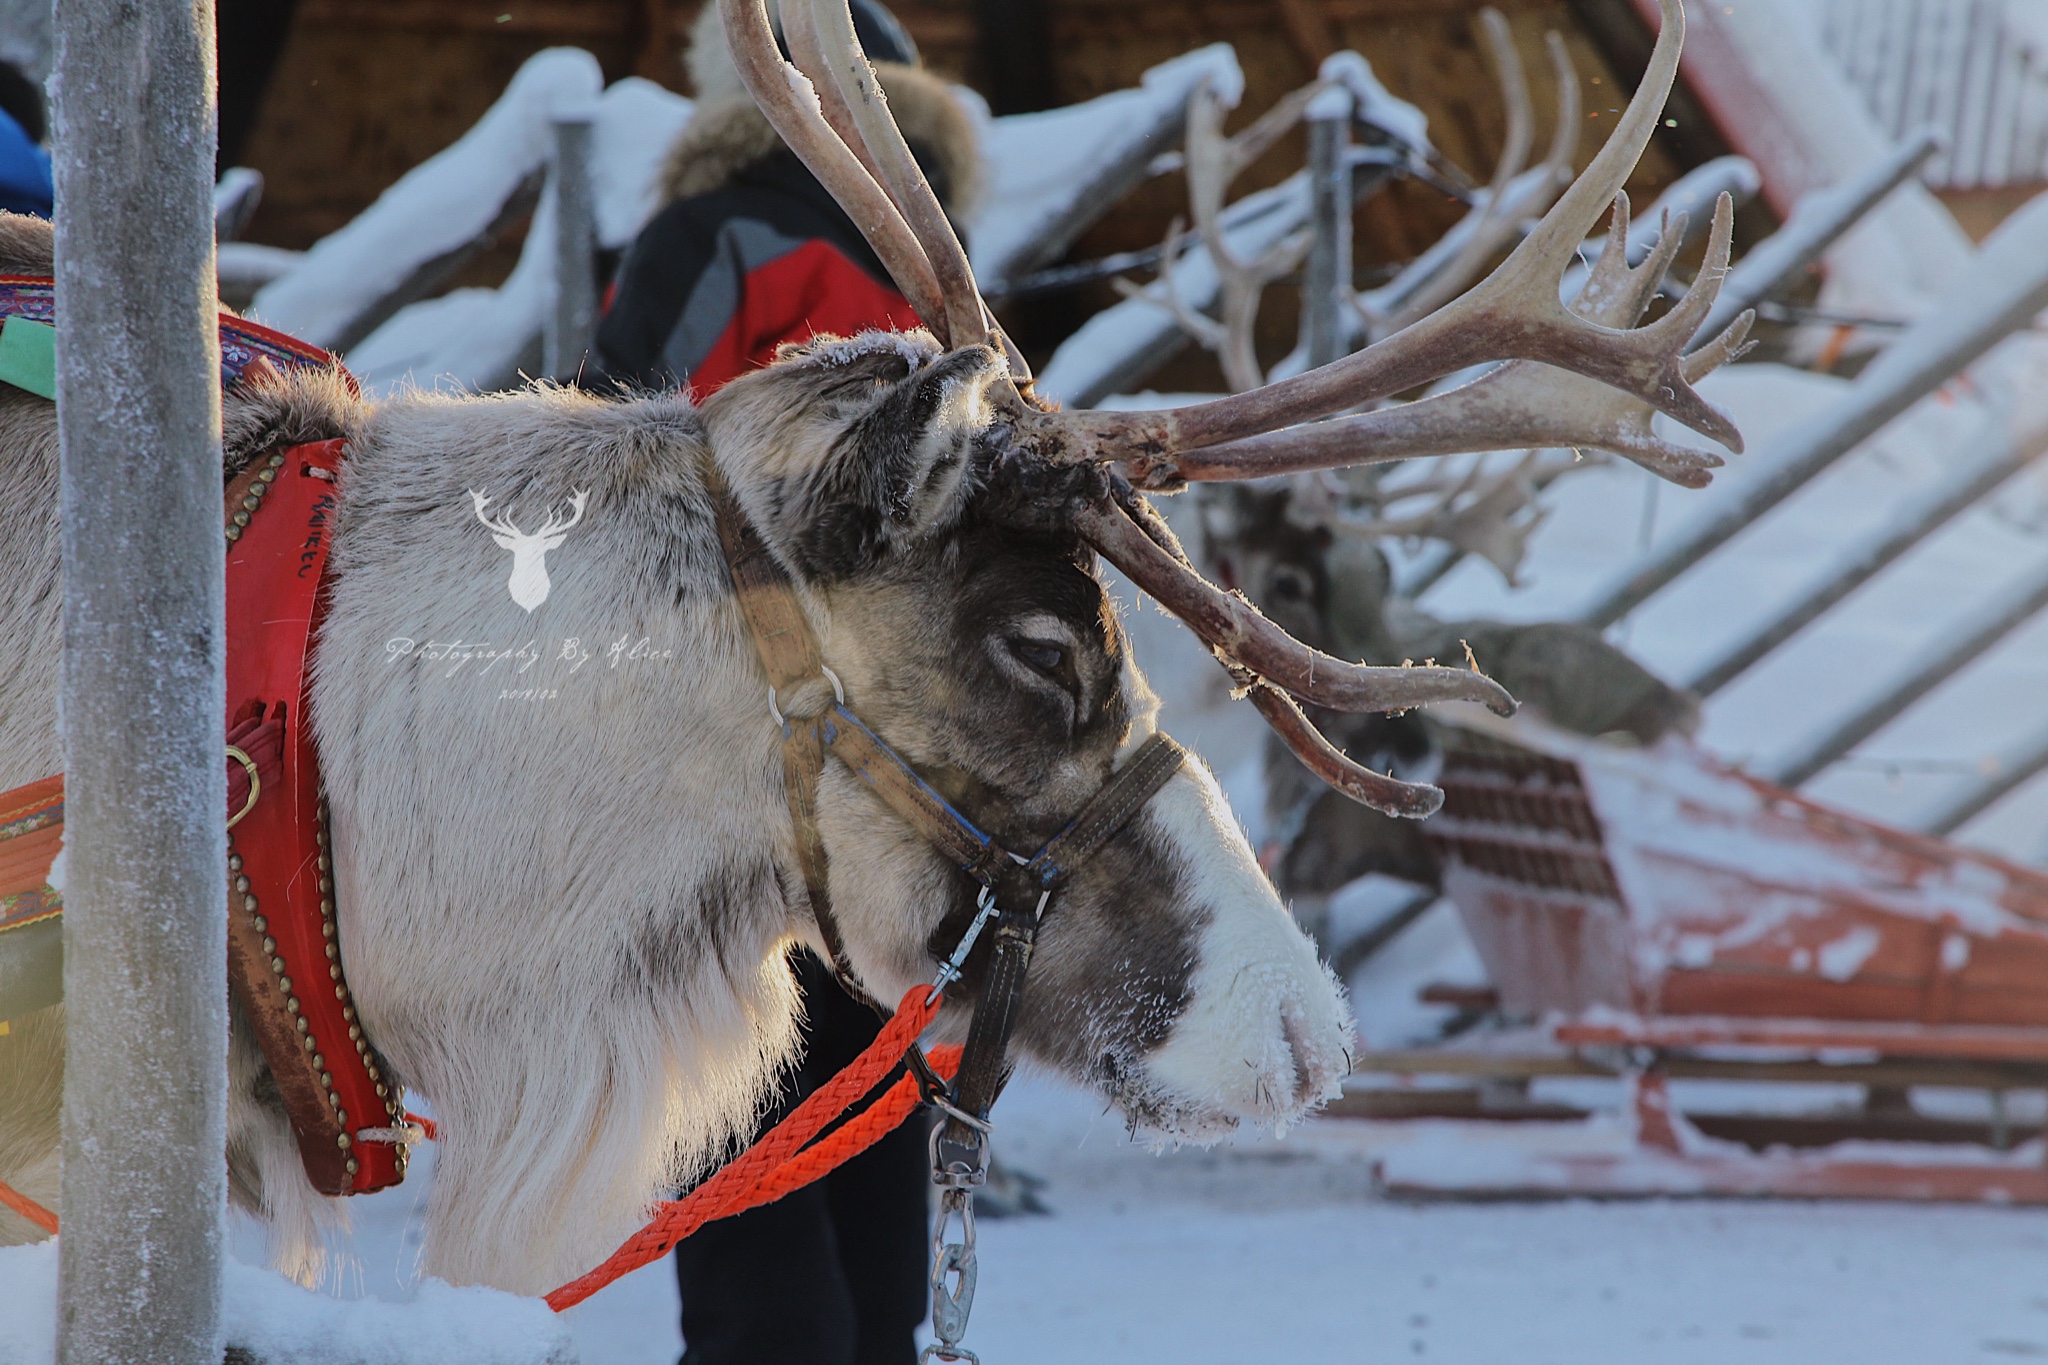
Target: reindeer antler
[{"x": 1587, "y": 377}]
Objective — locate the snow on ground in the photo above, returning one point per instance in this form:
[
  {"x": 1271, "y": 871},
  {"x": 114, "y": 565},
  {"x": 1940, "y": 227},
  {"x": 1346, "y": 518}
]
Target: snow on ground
[{"x": 1283, "y": 1250}]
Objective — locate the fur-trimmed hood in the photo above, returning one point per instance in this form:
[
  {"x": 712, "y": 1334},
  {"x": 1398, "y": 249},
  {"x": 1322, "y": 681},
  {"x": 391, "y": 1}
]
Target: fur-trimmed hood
[{"x": 727, "y": 133}]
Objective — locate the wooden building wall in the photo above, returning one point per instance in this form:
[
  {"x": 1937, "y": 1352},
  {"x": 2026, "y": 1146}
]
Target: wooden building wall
[{"x": 366, "y": 89}]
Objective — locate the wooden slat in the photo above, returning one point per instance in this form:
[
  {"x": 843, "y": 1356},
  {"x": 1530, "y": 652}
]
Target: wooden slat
[
  {"x": 1966, "y": 1075},
  {"x": 1893, "y": 1040}
]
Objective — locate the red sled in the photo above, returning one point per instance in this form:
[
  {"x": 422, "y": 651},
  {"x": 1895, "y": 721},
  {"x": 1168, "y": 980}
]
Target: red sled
[{"x": 1661, "y": 912}]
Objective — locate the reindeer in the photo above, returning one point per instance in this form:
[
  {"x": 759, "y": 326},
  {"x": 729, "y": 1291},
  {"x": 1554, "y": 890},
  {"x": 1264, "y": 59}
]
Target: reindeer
[
  {"x": 566, "y": 924},
  {"x": 529, "y": 582}
]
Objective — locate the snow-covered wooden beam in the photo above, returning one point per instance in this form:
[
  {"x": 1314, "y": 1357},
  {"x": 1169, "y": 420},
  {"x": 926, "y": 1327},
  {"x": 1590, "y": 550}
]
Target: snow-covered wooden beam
[{"x": 2003, "y": 289}]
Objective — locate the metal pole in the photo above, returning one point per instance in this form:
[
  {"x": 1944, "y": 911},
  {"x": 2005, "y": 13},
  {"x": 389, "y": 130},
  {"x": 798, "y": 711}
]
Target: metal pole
[
  {"x": 1981, "y": 795},
  {"x": 1963, "y": 490},
  {"x": 1938, "y": 663},
  {"x": 144, "y": 1190},
  {"x": 2001, "y": 291},
  {"x": 572, "y": 327},
  {"x": 1817, "y": 222},
  {"x": 1326, "y": 278}
]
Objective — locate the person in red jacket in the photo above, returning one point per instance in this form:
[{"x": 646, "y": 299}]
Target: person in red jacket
[{"x": 748, "y": 252}]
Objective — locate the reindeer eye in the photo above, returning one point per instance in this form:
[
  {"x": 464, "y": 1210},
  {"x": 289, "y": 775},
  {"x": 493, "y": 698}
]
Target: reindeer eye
[{"x": 1042, "y": 656}]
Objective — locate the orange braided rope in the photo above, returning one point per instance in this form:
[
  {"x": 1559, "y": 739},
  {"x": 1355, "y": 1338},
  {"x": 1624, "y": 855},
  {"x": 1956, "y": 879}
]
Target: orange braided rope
[
  {"x": 780, "y": 1161},
  {"x": 34, "y": 1212}
]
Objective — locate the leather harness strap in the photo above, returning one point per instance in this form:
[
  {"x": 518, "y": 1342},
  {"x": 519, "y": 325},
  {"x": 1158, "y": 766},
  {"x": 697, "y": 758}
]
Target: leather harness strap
[{"x": 1015, "y": 890}]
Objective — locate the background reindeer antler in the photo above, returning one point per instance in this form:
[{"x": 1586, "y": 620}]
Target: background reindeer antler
[{"x": 1559, "y": 396}]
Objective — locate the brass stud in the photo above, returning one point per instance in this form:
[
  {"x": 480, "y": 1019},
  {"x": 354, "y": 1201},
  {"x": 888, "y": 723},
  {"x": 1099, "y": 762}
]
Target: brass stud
[
  {"x": 381, "y": 1090},
  {"x": 327, "y": 929},
  {"x": 362, "y": 1048},
  {"x": 284, "y": 983},
  {"x": 332, "y": 952},
  {"x": 341, "y": 1113},
  {"x": 241, "y": 883},
  {"x": 334, "y": 972},
  {"x": 266, "y": 476},
  {"x": 341, "y": 990},
  {"x": 326, "y": 1079},
  {"x": 352, "y": 1166},
  {"x": 321, "y": 861},
  {"x": 249, "y": 903},
  {"x": 355, "y": 1032},
  {"x": 320, "y": 1064},
  {"x": 277, "y": 965},
  {"x": 348, "y": 1012},
  {"x": 234, "y": 862},
  {"x": 306, "y": 1043},
  {"x": 234, "y": 534},
  {"x": 263, "y": 927},
  {"x": 277, "y": 460},
  {"x": 341, "y": 1140},
  {"x": 320, "y": 835},
  {"x": 270, "y": 946},
  {"x": 251, "y": 502},
  {"x": 241, "y": 518}
]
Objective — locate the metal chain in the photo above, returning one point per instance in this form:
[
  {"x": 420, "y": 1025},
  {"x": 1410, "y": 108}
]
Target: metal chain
[{"x": 957, "y": 1170}]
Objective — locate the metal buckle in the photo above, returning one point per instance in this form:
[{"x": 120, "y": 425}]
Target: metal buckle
[
  {"x": 970, "y": 1168},
  {"x": 255, "y": 784}
]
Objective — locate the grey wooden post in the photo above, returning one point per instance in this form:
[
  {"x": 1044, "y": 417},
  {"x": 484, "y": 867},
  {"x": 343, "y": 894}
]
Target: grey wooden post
[
  {"x": 1326, "y": 277},
  {"x": 144, "y": 1193},
  {"x": 572, "y": 327},
  {"x": 1951, "y": 654},
  {"x": 1961, "y": 491}
]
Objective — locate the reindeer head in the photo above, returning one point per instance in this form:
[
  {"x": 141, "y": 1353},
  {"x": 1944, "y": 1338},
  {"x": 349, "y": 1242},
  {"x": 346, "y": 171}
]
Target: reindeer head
[
  {"x": 529, "y": 581},
  {"x": 950, "y": 523},
  {"x": 967, "y": 619}
]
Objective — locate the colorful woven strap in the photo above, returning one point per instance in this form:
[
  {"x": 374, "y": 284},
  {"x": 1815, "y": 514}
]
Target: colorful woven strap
[{"x": 242, "y": 342}]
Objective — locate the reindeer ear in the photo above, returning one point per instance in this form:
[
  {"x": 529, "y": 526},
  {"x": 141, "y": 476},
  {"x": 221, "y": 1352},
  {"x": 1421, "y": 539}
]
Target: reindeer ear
[{"x": 904, "y": 469}]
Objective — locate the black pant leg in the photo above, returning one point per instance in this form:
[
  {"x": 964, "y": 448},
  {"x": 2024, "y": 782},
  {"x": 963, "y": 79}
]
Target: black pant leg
[
  {"x": 767, "y": 1287},
  {"x": 832, "y": 1274},
  {"x": 881, "y": 1215},
  {"x": 878, "y": 1200}
]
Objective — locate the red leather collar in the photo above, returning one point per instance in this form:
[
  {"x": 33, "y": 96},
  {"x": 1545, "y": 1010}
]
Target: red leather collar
[{"x": 283, "y": 954}]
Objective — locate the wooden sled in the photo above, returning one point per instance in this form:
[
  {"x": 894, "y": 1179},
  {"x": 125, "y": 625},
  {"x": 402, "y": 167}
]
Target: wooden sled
[{"x": 1657, "y": 916}]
